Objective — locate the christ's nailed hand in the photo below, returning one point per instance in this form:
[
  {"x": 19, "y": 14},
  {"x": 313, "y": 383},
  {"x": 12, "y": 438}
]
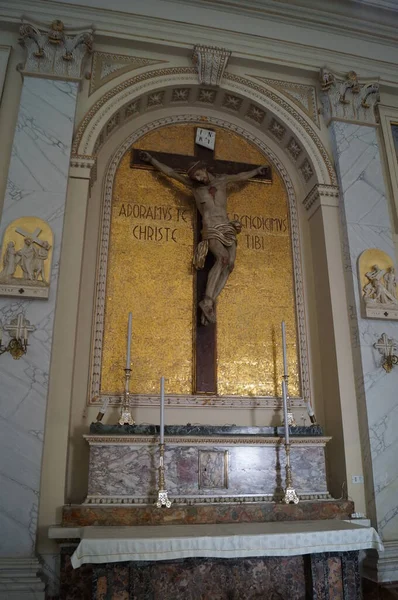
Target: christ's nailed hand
[{"x": 145, "y": 156}]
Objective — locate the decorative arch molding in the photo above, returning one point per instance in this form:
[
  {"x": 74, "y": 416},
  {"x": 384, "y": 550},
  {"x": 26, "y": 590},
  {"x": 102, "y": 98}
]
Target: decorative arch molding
[
  {"x": 174, "y": 87},
  {"x": 194, "y": 400}
]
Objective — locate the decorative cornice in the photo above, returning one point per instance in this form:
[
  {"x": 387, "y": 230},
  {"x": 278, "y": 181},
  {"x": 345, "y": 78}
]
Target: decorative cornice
[
  {"x": 346, "y": 23},
  {"x": 346, "y": 98},
  {"x": 321, "y": 195},
  {"x": 192, "y": 401},
  {"x": 51, "y": 53},
  {"x": 100, "y": 440},
  {"x": 210, "y": 64},
  {"x": 97, "y": 499}
]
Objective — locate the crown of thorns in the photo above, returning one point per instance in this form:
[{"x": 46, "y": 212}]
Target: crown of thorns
[{"x": 199, "y": 164}]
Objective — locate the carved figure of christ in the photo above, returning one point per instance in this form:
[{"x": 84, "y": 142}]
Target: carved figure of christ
[
  {"x": 210, "y": 195},
  {"x": 218, "y": 233}
]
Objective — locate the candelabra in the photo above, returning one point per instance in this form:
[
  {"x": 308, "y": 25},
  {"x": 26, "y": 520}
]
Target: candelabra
[
  {"x": 290, "y": 493},
  {"x": 18, "y": 330},
  {"x": 162, "y": 493},
  {"x": 290, "y": 416},
  {"x": 126, "y": 418}
]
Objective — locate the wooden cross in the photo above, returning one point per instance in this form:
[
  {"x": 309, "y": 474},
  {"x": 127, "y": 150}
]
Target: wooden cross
[
  {"x": 33, "y": 236},
  {"x": 205, "y": 361}
]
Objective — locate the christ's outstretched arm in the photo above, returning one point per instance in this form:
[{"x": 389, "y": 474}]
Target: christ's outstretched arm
[
  {"x": 145, "y": 156},
  {"x": 245, "y": 175}
]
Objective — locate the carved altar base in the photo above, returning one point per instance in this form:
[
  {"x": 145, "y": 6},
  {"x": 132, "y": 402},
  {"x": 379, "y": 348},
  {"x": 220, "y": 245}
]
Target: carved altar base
[
  {"x": 203, "y": 464},
  {"x": 290, "y": 561}
]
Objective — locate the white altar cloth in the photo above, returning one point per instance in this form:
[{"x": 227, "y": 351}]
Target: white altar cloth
[{"x": 237, "y": 540}]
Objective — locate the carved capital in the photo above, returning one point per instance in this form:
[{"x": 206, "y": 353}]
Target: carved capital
[
  {"x": 321, "y": 195},
  {"x": 210, "y": 64},
  {"x": 53, "y": 52},
  {"x": 346, "y": 98},
  {"x": 83, "y": 167}
]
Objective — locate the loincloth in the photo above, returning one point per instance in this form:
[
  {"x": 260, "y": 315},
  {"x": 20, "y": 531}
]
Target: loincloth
[{"x": 223, "y": 232}]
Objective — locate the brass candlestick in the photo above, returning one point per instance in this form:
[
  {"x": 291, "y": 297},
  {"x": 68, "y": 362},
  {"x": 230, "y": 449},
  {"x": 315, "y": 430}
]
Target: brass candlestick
[
  {"x": 290, "y": 493},
  {"x": 162, "y": 493},
  {"x": 126, "y": 418}
]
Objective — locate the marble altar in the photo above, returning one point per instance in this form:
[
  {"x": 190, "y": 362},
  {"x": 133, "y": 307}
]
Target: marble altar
[
  {"x": 311, "y": 559},
  {"x": 211, "y": 463}
]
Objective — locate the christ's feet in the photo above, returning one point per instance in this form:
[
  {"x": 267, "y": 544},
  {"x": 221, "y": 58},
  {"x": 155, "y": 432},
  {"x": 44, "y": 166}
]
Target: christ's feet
[{"x": 208, "y": 314}]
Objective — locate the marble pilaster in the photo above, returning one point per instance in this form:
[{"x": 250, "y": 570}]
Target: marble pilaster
[
  {"x": 36, "y": 186},
  {"x": 367, "y": 223}
]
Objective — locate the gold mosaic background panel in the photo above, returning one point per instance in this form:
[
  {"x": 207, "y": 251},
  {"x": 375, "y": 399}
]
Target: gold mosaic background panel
[
  {"x": 260, "y": 291},
  {"x": 155, "y": 279},
  {"x": 152, "y": 279}
]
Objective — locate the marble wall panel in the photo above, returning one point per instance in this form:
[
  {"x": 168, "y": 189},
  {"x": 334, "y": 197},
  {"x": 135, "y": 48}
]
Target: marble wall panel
[
  {"x": 36, "y": 187},
  {"x": 367, "y": 224},
  {"x": 131, "y": 470}
]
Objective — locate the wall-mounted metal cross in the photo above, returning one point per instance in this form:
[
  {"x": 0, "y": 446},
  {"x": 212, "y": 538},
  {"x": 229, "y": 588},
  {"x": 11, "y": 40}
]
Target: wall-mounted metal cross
[
  {"x": 18, "y": 329},
  {"x": 387, "y": 346}
]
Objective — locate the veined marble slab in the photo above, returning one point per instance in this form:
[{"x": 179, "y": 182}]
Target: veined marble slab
[
  {"x": 125, "y": 468},
  {"x": 367, "y": 224},
  {"x": 36, "y": 186},
  {"x": 204, "y": 430}
]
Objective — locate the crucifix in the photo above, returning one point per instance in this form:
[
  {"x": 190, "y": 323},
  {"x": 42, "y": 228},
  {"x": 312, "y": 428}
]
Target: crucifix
[{"x": 215, "y": 234}]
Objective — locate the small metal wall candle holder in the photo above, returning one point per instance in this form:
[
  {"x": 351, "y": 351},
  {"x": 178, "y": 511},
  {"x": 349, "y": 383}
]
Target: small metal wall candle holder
[
  {"x": 387, "y": 348},
  {"x": 18, "y": 330}
]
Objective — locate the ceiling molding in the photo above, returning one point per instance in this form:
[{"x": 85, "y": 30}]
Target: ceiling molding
[{"x": 377, "y": 58}]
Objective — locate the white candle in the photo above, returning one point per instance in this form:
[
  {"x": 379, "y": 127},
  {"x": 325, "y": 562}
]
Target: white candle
[
  {"x": 309, "y": 410},
  {"x": 128, "y": 361},
  {"x": 285, "y": 415},
  {"x": 104, "y": 406},
  {"x": 162, "y": 410},
  {"x": 284, "y": 349}
]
